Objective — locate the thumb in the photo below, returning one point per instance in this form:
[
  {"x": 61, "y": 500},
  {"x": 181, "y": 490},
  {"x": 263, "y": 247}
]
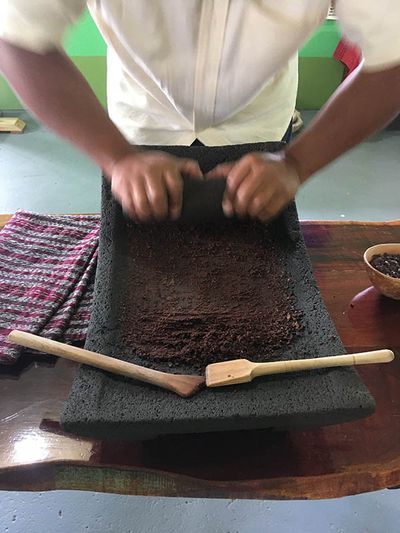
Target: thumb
[
  {"x": 190, "y": 167},
  {"x": 220, "y": 171}
]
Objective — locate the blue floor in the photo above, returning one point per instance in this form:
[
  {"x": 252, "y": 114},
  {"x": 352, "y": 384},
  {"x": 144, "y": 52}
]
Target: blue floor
[
  {"x": 76, "y": 512},
  {"x": 39, "y": 172}
]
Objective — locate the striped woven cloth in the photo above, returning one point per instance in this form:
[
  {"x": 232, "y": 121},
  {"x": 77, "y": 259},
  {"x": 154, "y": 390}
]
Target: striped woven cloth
[{"x": 47, "y": 268}]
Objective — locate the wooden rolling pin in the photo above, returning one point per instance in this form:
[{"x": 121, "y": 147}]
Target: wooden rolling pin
[
  {"x": 243, "y": 371},
  {"x": 183, "y": 385}
]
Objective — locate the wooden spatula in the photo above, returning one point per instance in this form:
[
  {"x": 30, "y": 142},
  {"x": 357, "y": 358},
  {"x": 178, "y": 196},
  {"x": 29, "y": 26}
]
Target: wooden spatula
[
  {"x": 243, "y": 371},
  {"x": 184, "y": 385}
]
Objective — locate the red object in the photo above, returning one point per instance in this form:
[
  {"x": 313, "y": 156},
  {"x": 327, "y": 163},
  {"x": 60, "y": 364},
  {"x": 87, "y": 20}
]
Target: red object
[
  {"x": 47, "y": 267},
  {"x": 348, "y": 54}
]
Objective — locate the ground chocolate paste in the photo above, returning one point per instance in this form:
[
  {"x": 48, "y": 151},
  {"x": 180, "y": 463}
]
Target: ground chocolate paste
[{"x": 201, "y": 294}]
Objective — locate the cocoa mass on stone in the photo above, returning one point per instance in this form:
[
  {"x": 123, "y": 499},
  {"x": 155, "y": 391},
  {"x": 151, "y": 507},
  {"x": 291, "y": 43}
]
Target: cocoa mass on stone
[
  {"x": 388, "y": 264},
  {"x": 207, "y": 293}
]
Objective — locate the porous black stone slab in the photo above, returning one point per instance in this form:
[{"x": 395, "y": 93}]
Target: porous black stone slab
[{"x": 102, "y": 405}]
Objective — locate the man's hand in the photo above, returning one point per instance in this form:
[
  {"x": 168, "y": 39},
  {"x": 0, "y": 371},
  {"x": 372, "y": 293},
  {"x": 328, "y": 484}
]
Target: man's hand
[
  {"x": 149, "y": 184},
  {"x": 259, "y": 185}
]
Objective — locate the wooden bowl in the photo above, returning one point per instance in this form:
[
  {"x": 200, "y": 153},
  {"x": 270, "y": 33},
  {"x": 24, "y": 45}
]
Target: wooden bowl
[{"x": 386, "y": 285}]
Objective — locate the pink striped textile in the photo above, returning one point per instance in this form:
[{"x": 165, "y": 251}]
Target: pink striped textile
[{"x": 47, "y": 270}]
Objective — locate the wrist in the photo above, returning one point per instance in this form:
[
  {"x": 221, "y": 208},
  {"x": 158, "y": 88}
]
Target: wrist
[
  {"x": 289, "y": 167},
  {"x": 294, "y": 161},
  {"x": 108, "y": 161}
]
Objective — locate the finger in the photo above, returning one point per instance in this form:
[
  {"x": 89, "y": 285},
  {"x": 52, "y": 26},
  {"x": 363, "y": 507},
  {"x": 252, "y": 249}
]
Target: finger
[
  {"x": 220, "y": 171},
  {"x": 235, "y": 177},
  {"x": 271, "y": 208},
  {"x": 232, "y": 184},
  {"x": 247, "y": 190},
  {"x": 124, "y": 197},
  {"x": 265, "y": 214},
  {"x": 174, "y": 185},
  {"x": 259, "y": 203},
  {"x": 157, "y": 196},
  {"x": 190, "y": 167},
  {"x": 128, "y": 208},
  {"x": 140, "y": 201}
]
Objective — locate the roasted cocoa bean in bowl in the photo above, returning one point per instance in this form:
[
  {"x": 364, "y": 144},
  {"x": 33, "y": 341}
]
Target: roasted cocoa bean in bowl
[{"x": 382, "y": 263}]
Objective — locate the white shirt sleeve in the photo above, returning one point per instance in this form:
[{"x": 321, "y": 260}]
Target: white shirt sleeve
[
  {"x": 374, "y": 25},
  {"x": 37, "y": 25}
]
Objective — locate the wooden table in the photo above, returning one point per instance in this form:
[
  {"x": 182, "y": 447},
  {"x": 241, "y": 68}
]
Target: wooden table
[{"x": 321, "y": 463}]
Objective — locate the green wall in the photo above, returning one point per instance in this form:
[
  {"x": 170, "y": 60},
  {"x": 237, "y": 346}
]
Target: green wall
[
  {"x": 84, "y": 39},
  {"x": 319, "y": 73}
]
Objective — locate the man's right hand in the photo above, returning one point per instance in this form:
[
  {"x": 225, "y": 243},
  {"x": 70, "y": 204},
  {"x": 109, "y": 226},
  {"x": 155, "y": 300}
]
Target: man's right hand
[{"x": 149, "y": 185}]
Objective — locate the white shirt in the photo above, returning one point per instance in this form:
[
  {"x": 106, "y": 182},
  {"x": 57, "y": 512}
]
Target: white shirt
[{"x": 222, "y": 71}]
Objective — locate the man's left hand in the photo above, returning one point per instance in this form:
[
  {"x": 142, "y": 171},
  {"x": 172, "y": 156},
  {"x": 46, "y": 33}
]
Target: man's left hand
[{"x": 258, "y": 186}]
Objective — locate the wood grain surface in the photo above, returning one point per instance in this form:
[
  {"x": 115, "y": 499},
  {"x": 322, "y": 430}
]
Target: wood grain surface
[{"x": 326, "y": 462}]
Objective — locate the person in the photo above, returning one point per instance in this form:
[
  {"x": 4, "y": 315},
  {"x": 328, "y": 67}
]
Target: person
[{"x": 215, "y": 71}]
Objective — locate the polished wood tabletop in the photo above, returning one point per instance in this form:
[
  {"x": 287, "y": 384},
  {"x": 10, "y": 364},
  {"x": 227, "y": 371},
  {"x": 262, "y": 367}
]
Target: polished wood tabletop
[{"x": 327, "y": 462}]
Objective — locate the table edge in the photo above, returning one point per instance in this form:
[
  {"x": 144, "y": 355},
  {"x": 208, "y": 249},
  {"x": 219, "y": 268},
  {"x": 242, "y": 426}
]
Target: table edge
[
  {"x": 64, "y": 475},
  {"x": 4, "y": 218}
]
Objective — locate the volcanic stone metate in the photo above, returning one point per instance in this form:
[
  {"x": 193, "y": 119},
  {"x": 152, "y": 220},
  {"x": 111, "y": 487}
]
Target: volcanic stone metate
[
  {"x": 211, "y": 293},
  {"x": 241, "y": 279}
]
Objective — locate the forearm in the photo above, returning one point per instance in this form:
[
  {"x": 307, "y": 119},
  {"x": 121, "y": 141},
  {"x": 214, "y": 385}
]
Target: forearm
[
  {"x": 56, "y": 92},
  {"x": 363, "y": 104}
]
